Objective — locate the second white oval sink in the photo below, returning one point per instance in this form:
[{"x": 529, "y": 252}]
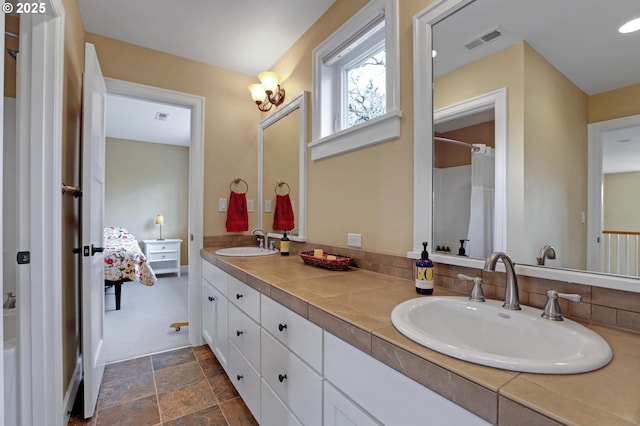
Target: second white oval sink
[
  {"x": 486, "y": 333},
  {"x": 245, "y": 251}
]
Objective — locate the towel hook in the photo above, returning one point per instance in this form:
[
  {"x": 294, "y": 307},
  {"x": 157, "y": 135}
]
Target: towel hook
[
  {"x": 236, "y": 181},
  {"x": 279, "y": 184}
]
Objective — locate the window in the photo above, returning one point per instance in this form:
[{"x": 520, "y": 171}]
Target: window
[{"x": 356, "y": 84}]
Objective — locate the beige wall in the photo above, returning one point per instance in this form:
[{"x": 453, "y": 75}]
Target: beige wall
[
  {"x": 617, "y": 103},
  {"x": 143, "y": 179},
  {"x": 555, "y": 164},
  {"x": 11, "y": 23},
  {"x": 72, "y": 107},
  {"x": 369, "y": 191},
  {"x": 231, "y": 118},
  {"x": 621, "y": 202}
]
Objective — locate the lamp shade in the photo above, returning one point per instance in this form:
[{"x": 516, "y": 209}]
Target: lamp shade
[
  {"x": 159, "y": 220},
  {"x": 257, "y": 92},
  {"x": 269, "y": 81}
]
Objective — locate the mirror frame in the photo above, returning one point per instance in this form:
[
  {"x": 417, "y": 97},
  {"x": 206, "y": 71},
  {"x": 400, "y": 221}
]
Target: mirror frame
[
  {"x": 299, "y": 102},
  {"x": 423, "y": 154}
]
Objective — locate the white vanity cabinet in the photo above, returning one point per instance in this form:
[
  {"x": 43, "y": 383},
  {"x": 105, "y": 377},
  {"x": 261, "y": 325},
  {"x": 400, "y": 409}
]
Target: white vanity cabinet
[
  {"x": 370, "y": 383},
  {"x": 215, "y": 328},
  {"x": 291, "y": 372}
]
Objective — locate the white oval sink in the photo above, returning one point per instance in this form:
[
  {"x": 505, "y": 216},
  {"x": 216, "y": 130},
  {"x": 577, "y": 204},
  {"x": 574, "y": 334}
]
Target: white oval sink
[
  {"x": 245, "y": 251},
  {"x": 486, "y": 333}
]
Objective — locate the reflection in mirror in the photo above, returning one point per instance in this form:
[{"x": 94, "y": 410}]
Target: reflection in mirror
[
  {"x": 282, "y": 167},
  {"x": 559, "y": 70}
]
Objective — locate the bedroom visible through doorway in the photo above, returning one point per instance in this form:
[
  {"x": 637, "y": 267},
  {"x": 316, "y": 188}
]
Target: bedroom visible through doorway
[{"x": 147, "y": 179}]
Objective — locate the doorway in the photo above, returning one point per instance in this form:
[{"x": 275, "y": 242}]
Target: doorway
[
  {"x": 194, "y": 233},
  {"x": 146, "y": 182}
]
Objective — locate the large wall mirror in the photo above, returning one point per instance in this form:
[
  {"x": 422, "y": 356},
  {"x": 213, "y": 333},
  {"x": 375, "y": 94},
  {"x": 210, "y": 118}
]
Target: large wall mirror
[
  {"x": 567, "y": 182},
  {"x": 282, "y": 166}
]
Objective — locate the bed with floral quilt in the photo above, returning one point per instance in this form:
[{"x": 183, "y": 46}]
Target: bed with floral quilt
[{"x": 124, "y": 261}]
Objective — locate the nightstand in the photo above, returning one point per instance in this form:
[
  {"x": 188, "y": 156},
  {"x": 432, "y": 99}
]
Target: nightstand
[{"x": 163, "y": 255}]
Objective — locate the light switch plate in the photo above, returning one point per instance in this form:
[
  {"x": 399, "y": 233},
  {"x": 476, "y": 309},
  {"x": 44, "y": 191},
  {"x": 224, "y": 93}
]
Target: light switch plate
[
  {"x": 250, "y": 205},
  {"x": 222, "y": 204},
  {"x": 354, "y": 240},
  {"x": 267, "y": 206}
]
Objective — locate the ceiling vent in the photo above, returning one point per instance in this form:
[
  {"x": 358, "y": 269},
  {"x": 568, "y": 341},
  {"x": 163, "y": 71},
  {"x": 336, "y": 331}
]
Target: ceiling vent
[
  {"x": 162, "y": 116},
  {"x": 491, "y": 35}
]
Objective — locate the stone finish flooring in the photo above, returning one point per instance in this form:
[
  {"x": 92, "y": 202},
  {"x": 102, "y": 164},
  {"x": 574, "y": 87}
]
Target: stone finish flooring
[{"x": 186, "y": 386}]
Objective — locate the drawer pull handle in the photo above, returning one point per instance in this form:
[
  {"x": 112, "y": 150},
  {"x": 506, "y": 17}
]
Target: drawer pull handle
[
  {"x": 163, "y": 247},
  {"x": 211, "y": 299},
  {"x": 282, "y": 377},
  {"x": 281, "y": 327},
  {"x": 239, "y": 377},
  {"x": 239, "y": 333},
  {"x": 238, "y": 296}
]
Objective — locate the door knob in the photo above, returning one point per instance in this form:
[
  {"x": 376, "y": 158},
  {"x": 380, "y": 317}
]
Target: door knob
[{"x": 95, "y": 250}]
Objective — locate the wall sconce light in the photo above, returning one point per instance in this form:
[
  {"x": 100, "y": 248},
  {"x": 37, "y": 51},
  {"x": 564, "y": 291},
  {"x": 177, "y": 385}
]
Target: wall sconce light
[
  {"x": 268, "y": 93},
  {"x": 160, "y": 221}
]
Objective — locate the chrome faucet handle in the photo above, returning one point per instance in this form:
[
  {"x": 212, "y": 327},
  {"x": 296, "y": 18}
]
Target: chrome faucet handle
[
  {"x": 272, "y": 245},
  {"x": 552, "y": 309},
  {"x": 261, "y": 242},
  {"x": 477, "y": 295}
]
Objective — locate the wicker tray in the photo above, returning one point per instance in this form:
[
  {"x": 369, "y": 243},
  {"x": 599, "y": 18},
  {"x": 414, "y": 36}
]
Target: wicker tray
[{"x": 340, "y": 264}]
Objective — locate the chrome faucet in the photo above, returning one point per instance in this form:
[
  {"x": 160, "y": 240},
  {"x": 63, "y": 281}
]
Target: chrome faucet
[
  {"x": 511, "y": 296},
  {"x": 546, "y": 252},
  {"x": 258, "y": 231}
]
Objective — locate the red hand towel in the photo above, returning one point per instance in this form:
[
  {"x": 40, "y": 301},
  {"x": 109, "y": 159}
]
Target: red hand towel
[
  {"x": 237, "y": 216},
  {"x": 283, "y": 216}
]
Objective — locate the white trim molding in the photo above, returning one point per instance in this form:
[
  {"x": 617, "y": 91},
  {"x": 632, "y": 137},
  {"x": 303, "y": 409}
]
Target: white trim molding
[
  {"x": 299, "y": 102},
  {"x": 39, "y": 284},
  {"x": 326, "y": 141}
]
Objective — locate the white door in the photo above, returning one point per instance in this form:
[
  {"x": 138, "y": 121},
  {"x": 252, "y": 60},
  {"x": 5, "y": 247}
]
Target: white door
[{"x": 93, "y": 161}]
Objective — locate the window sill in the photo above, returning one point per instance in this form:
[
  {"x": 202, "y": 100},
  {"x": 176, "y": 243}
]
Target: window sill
[{"x": 378, "y": 130}]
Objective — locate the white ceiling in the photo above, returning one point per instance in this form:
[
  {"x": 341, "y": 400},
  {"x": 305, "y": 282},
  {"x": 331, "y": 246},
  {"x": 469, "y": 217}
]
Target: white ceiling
[
  {"x": 135, "y": 119},
  {"x": 247, "y": 36}
]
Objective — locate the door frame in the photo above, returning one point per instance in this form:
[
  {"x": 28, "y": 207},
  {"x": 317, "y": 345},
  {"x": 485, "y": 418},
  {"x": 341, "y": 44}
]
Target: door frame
[
  {"x": 39, "y": 284},
  {"x": 595, "y": 186},
  {"x": 196, "y": 183}
]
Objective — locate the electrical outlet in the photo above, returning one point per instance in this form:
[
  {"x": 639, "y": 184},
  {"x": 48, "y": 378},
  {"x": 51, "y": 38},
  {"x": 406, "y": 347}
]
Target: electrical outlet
[
  {"x": 354, "y": 240},
  {"x": 222, "y": 204}
]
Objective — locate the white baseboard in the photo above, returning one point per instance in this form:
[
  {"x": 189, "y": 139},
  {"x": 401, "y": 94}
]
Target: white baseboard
[
  {"x": 72, "y": 390},
  {"x": 184, "y": 269}
]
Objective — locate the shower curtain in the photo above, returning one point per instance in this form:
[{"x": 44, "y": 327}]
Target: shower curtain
[{"x": 480, "y": 234}]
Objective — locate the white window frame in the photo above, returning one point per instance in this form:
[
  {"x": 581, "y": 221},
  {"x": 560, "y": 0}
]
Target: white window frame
[{"x": 325, "y": 141}]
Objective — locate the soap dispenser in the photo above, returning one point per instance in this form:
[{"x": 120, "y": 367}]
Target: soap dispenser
[
  {"x": 284, "y": 244},
  {"x": 424, "y": 273}
]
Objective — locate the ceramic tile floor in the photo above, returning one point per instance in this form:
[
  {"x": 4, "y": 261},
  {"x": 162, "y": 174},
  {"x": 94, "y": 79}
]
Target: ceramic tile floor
[{"x": 186, "y": 386}]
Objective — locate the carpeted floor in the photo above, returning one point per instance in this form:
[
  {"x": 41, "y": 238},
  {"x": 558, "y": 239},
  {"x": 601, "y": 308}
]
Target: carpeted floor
[{"x": 141, "y": 326}]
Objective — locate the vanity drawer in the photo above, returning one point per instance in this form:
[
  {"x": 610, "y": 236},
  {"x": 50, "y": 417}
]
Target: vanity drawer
[
  {"x": 295, "y": 332},
  {"x": 297, "y": 385},
  {"x": 162, "y": 256},
  {"x": 245, "y": 379},
  {"x": 244, "y": 297},
  {"x": 163, "y": 247},
  {"x": 245, "y": 334},
  {"x": 215, "y": 276}
]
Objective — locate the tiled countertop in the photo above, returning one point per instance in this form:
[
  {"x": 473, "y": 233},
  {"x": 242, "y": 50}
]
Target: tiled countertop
[{"x": 356, "y": 306}]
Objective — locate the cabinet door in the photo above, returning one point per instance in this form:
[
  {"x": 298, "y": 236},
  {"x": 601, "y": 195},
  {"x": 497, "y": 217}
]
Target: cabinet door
[
  {"x": 273, "y": 410},
  {"x": 341, "y": 411},
  {"x": 297, "y": 385},
  {"x": 207, "y": 313}
]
